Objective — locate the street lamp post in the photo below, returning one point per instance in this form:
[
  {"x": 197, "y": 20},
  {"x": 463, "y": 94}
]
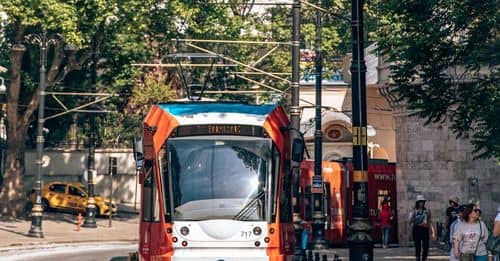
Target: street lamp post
[
  {"x": 43, "y": 42},
  {"x": 90, "y": 211},
  {"x": 317, "y": 186},
  {"x": 295, "y": 126},
  {"x": 360, "y": 241}
]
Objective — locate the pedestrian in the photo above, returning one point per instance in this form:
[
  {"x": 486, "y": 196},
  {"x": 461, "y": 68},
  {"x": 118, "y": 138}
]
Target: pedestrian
[
  {"x": 496, "y": 231},
  {"x": 385, "y": 217},
  {"x": 422, "y": 228},
  {"x": 453, "y": 228},
  {"x": 452, "y": 213},
  {"x": 470, "y": 237}
]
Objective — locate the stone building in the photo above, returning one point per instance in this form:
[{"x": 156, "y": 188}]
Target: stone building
[{"x": 431, "y": 161}]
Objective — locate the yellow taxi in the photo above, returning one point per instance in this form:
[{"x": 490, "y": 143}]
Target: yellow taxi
[{"x": 72, "y": 197}]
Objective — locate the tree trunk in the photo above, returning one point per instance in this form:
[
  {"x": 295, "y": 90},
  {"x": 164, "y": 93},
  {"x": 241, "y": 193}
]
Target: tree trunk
[{"x": 12, "y": 196}]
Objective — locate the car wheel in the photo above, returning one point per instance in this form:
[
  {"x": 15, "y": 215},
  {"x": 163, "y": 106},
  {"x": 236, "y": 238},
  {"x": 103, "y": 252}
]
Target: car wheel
[{"x": 45, "y": 205}]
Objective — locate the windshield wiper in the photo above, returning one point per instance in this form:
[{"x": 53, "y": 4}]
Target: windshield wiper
[{"x": 250, "y": 207}]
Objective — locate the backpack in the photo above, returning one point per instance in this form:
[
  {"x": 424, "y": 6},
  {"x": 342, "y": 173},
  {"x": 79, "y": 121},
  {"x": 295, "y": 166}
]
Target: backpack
[
  {"x": 493, "y": 244},
  {"x": 420, "y": 218}
]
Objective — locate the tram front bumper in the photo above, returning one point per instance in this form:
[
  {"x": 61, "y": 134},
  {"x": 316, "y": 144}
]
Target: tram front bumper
[{"x": 220, "y": 254}]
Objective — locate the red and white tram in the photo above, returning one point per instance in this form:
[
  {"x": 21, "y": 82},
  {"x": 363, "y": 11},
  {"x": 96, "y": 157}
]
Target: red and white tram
[{"x": 216, "y": 183}]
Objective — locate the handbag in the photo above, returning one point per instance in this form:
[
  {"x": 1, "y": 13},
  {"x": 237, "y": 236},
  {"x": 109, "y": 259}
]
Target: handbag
[
  {"x": 493, "y": 244},
  {"x": 466, "y": 257}
]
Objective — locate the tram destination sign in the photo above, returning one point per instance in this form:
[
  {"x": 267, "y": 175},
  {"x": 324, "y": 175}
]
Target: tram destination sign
[{"x": 219, "y": 129}]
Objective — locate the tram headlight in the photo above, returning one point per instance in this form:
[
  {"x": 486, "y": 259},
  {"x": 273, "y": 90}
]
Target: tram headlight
[
  {"x": 184, "y": 231},
  {"x": 257, "y": 231}
]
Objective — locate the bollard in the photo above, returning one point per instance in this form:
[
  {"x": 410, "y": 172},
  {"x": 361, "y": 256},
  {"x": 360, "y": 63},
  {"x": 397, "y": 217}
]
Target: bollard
[
  {"x": 316, "y": 256},
  {"x": 79, "y": 219}
]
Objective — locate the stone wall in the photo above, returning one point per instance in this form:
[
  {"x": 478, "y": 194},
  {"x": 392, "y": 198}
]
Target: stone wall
[{"x": 433, "y": 162}]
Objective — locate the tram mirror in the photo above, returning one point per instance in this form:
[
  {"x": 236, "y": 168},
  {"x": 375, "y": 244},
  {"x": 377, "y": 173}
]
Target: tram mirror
[
  {"x": 298, "y": 150},
  {"x": 138, "y": 153}
]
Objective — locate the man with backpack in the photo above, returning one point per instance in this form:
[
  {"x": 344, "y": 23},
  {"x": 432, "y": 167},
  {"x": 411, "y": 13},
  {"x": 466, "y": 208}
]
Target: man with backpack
[{"x": 452, "y": 213}]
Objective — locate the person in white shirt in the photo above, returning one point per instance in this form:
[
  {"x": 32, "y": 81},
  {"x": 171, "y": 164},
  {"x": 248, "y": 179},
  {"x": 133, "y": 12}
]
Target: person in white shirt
[{"x": 469, "y": 240}]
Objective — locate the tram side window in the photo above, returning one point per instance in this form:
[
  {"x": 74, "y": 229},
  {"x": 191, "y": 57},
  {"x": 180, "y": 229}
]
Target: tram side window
[
  {"x": 275, "y": 181},
  {"x": 286, "y": 195},
  {"x": 164, "y": 182},
  {"x": 150, "y": 206}
]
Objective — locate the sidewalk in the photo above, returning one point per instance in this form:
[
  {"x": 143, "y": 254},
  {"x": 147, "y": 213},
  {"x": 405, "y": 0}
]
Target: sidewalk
[
  {"x": 392, "y": 254},
  {"x": 61, "y": 228}
]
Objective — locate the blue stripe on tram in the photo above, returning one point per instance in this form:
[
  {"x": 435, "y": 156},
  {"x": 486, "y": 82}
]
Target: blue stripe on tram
[{"x": 180, "y": 109}]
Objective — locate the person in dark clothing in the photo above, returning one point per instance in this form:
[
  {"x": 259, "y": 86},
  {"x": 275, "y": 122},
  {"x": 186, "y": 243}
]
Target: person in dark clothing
[
  {"x": 452, "y": 213},
  {"x": 422, "y": 228}
]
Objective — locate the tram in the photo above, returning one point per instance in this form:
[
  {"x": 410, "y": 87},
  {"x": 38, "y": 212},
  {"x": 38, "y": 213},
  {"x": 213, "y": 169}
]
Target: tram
[
  {"x": 216, "y": 183},
  {"x": 337, "y": 180}
]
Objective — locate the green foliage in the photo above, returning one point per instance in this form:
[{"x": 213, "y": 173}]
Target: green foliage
[
  {"x": 444, "y": 57},
  {"x": 153, "y": 90},
  {"x": 130, "y": 31}
]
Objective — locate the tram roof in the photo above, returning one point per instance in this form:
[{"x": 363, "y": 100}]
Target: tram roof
[{"x": 218, "y": 112}]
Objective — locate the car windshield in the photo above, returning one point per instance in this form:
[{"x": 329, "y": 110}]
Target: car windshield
[{"x": 219, "y": 178}]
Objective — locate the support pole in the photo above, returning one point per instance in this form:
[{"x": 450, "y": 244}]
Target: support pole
[
  {"x": 37, "y": 211},
  {"x": 90, "y": 221},
  {"x": 360, "y": 241},
  {"x": 318, "y": 240},
  {"x": 295, "y": 126}
]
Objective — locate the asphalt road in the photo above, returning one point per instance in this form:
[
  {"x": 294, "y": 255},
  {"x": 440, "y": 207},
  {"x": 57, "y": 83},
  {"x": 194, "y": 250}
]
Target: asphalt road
[
  {"x": 73, "y": 252},
  {"x": 119, "y": 252}
]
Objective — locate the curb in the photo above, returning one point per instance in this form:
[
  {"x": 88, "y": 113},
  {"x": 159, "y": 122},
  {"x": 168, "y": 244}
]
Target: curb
[{"x": 20, "y": 247}]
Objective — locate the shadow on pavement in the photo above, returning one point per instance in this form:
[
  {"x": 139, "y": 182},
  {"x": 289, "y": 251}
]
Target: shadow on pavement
[
  {"x": 13, "y": 231},
  {"x": 125, "y": 213},
  {"x": 119, "y": 258}
]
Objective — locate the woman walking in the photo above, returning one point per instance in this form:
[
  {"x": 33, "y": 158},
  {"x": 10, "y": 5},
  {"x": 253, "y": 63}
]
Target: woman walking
[
  {"x": 470, "y": 237},
  {"x": 385, "y": 222},
  {"x": 420, "y": 220}
]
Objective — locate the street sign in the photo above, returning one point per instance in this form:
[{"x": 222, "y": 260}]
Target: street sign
[{"x": 317, "y": 184}]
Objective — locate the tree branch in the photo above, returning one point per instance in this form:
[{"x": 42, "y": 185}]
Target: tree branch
[
  {"x": 30, "y": 109},
  {"x": 54, "y": 76}
]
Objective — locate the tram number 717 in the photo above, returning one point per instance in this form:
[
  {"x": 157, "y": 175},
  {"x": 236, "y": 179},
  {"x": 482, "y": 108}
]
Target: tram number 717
[{"x": 246, "y": 234}]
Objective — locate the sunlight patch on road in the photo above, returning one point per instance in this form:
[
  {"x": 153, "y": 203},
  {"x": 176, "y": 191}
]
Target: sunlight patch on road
[{"x": 77, "y": 249}]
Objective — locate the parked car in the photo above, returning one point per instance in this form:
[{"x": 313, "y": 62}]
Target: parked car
[{"x": 73, "y": 197}]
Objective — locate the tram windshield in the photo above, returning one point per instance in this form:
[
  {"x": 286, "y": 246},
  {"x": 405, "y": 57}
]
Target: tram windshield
[{"x": 219, "y": 177}]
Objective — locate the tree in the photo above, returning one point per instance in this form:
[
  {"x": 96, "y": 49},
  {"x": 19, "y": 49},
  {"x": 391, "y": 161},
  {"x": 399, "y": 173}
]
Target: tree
[
  {"x": 117, "y": 33},
  {"x": 444, "y": 59},
  {"x": 24, "y": 18},
  {"x": 101, "y": 24}
]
